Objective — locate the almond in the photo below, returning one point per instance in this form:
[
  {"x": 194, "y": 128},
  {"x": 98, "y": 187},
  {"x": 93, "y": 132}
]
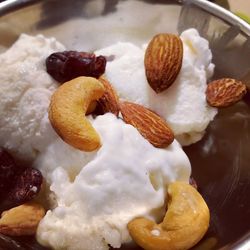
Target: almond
[
  {"x": 163, "y": 60},
  {"x": 109, "y": 102},
  {"x": 21, "y": 220},
  {"x": 225, "y": 92},
  {"x": 150, "y": 125}
]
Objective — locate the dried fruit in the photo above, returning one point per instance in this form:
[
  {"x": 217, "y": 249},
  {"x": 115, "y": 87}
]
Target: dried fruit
[
  {"x": 17, "y": 184},
  {"x": 225, "y": 92},
  {"x": 64, "y": 66},
  {"x": 26, "y": 187},
  {"x": 185, "y": 223},
  {"x": 150, "y": 125},
  {"x": 21, "y": 220},
  {"x": 109, "y": 102},
  {"x": 163, "y": 60},
  {"x": 8, "y": 171},
  {"x": 67, "y": 110}
]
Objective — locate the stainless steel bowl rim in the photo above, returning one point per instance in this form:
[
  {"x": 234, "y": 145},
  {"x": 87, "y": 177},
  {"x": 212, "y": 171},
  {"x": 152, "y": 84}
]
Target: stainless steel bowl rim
[
  {"x": 222, "y": 13},
  {"x": 9, "y": 6}
]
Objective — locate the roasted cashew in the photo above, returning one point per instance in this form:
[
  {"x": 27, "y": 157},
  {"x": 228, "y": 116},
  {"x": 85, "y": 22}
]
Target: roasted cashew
[
  {"x": 91, "y": 107},
  {"x": 67, "y": 111},
  {"x": 185, "y": 223}
]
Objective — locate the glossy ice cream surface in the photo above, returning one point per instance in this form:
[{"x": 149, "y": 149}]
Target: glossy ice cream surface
[{"x": 98, "y": 193}]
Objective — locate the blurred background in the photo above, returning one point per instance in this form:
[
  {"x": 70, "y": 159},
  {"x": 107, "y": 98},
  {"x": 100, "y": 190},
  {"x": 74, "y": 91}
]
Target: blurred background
[{"x": 239, "y": 7}]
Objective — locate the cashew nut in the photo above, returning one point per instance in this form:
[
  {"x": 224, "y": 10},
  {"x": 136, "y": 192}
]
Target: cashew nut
[
  {"x": 67, "y": 110},
  {"x": 91, "y": 107},
  {"x": 185, "y": 223}
]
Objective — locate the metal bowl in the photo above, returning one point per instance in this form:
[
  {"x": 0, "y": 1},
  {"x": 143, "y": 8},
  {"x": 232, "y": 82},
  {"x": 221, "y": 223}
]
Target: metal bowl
[{"x": 220, "y": 161}]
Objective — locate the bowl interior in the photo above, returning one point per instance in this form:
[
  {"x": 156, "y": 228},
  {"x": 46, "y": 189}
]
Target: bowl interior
[{"x": 220, "y": 161}]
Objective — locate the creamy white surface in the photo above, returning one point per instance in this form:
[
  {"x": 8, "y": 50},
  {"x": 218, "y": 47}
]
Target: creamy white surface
[
  {"x": 25, "y": 90},
  {"x": 94, "y": 194},
  {"x": 184, "y": 104},
  {"x": 99, "y": 193}
]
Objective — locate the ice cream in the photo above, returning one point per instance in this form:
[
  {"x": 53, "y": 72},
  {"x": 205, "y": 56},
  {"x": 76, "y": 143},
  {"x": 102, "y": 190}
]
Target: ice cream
[
  {"x": 25, "y": 90},
  {"x": 184, "y": 104},
  {"x": 94, "y": 195},
  {"x": 98, "y": 193},
  {"x": 25, "y": 93}
]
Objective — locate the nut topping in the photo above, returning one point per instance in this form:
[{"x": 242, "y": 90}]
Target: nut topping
[
  {"x": 21, "y": 220},
  {"x": 163, "y": 61},
  {"x": 109, "y": 102},
  {"x": 225, "y": 92},
  {"x": 67, "y": 110},
  {"x": 185, "y": 223},
  {"x": 151, "y": 126}
]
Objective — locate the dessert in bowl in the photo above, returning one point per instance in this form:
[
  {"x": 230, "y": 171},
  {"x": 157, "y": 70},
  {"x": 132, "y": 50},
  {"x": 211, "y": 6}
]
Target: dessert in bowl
[{"x": 93, "y": 196}]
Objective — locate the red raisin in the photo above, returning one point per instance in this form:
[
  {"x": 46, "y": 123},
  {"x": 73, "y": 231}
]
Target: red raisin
[
  {"x": 64, "y": 66},
  {"x": 8, "y": 170},
  {"x": 27, "y": 186}
]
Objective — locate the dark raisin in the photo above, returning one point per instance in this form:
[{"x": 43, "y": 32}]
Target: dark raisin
[
  {"x": 8, "y": 170},
  {"x": 64, "y": 66},
  {"x": 100, "y": 65},
  {"x": 26, "y": 187},
  {"x": 54, "y": 64}
]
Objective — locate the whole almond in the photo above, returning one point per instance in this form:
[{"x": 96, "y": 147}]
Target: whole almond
[
  {"x": 150, "y": 125},
  {"x": 109, "y": 102},
  {"x": 21, "y": 220},
  {"x": 163, "y": 60},
  {"x": 225, "y": 92}
]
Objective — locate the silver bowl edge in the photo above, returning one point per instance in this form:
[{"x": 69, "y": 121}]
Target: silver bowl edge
[{"x": 12, "y": 5}]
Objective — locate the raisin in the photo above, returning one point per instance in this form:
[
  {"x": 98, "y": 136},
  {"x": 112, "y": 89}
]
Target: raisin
[
  {"x": 8, "y": 170},
  {"x": 64, "y": 66},
  {"x": 27, "y": 186},
  {"x": 17, "y": 184}
]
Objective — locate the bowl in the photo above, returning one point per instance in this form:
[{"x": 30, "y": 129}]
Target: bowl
[{"x": 220, "y": 161}]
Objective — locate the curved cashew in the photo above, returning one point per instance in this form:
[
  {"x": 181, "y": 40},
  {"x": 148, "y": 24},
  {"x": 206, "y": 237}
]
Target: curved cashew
[
  {"x": 67, "y": 111},
  {"x": 91, "y": 107},
  {"x": 185, "y": 223}
]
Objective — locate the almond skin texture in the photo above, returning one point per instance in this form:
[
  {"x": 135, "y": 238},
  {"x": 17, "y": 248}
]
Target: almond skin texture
[
  {"x": 151, "y": 126},
  {"x": 21, "y": 220},
  {"x": 109, "y": 102},
  {"x": 163, "y": 60},
  {"x": 225, "y": 92}
]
